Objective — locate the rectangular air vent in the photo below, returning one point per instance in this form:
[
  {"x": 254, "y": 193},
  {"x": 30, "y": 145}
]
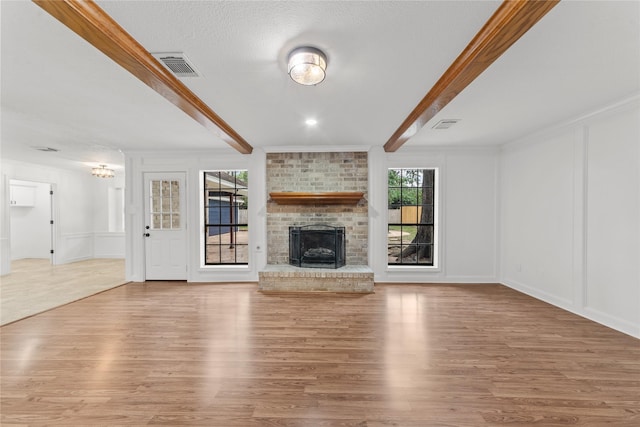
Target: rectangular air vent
[
  {"x": 445, "y": 123},
  {"x": 177, "y": 63},
  {"x": 46, "y": 149}
]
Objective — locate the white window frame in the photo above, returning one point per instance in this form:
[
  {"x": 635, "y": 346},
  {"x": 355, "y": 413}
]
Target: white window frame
[
  {"x": 435, "y": 248},
  {"x": 437, "y": 223}
]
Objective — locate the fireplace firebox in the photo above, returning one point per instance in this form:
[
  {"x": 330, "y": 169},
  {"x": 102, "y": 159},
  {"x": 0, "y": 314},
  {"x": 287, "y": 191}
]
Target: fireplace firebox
[{"x": 317, "y": 246}]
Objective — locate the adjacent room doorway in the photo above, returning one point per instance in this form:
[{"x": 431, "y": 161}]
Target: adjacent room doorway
[{"x": 32, "y": 222}]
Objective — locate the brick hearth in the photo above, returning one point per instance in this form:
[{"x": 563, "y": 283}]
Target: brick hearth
[{"x": 358, "y": 278}]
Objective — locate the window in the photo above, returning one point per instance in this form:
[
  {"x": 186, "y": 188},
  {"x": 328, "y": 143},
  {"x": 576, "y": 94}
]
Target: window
[
  {"x": 165, "y": 205},
  {"x": 411, "y": 234},
  {"x": 226, "y": 230}
]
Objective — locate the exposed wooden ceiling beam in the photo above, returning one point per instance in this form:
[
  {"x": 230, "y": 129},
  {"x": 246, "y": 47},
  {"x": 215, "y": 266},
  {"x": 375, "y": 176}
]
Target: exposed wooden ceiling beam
[
  {"x": 510, "y": 21},
  {"x": 94, "y": 25}
]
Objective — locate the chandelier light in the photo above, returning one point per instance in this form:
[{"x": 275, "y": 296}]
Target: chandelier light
[
  {"x": 102, "y": 171},
  {"x": 307, "y": 65}
]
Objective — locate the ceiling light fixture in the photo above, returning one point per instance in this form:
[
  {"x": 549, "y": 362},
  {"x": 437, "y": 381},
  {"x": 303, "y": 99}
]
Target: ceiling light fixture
[
  {"x": 311, "y": 122},
  {"x": 307, "y": 65},
  {"x": 102, "y": 172}
]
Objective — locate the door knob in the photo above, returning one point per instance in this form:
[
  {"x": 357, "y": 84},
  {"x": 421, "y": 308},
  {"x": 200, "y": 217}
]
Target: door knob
[{"x": 147, "y": 234}]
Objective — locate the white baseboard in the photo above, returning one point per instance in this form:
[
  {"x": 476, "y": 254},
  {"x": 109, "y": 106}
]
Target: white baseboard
[{"x": 602, "y": 318}]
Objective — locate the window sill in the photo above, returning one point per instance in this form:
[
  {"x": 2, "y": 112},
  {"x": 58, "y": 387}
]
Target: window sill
[
  {"x": 228, "y": 267},
  {"x": 412, "y": 268}
]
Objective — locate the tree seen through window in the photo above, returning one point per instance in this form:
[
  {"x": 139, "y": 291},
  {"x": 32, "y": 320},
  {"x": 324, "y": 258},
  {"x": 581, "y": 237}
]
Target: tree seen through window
[{"x": 411, "y": 227}]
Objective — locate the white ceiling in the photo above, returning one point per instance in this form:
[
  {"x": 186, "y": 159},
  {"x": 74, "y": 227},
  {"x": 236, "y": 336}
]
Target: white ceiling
[{"x": 383, "y": 57}]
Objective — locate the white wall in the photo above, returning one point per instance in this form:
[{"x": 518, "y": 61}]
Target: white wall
[
  {"x": 5, "y": 220},
  {"x": 466, "y": 214},
  {"x": 30, "y": 227},
  {"x": 612, "y": 282},
  {"x": 537, "y": 216},
  {"x": 107, "y": 205},
  {"x": 570, "y": 216},
  {"x": 78, "y": 210},
  {"x": 470, "y": 214}
]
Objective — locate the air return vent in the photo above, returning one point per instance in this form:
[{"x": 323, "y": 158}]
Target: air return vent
[
  {"x": 177, "y": 63},
  {"x": 46, "y": 149},
  {"x": 445, "y": 123}
]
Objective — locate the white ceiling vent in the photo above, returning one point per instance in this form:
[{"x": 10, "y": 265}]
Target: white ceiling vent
[
  {"x": 177, "y": 63},
  {"x": 445, "y": 123}
]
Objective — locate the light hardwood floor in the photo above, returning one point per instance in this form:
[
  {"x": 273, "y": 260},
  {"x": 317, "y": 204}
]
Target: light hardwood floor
[
  {"x": 34, "y": 285},
  {"x": 171, "y": 353}
]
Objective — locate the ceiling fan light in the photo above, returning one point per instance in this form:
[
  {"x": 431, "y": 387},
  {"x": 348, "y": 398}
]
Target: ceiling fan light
[{"x": 307, "y": 66}]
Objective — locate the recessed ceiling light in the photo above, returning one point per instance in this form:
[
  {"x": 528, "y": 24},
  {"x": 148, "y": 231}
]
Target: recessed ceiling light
[{"x": 311, "y": 122}]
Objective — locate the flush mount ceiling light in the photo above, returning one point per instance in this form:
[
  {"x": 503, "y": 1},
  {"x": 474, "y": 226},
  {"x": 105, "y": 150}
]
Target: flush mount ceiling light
[
  {"x": 307, "y": 65},
  {"x": 102, "y": 172}
]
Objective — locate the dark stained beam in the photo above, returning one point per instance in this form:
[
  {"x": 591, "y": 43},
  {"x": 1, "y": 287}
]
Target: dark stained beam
[
  {"x": 94, "y": 25},
  {"x": 510, "y": 21}
]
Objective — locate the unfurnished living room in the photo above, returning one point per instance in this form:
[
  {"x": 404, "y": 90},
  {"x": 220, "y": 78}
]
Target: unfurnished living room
[{"x": 320, "y": 213}]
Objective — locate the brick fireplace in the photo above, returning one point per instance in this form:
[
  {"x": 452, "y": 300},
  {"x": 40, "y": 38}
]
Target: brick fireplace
[{"x": 342, "y": 172}]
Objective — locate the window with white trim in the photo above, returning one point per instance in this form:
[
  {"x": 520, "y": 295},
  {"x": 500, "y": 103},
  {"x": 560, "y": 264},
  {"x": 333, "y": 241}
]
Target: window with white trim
[
  {"x": 226, "y": 228},
  {"x": 412, "y": 225}
]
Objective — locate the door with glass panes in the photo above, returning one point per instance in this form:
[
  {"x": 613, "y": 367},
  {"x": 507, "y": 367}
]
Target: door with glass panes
[{"x": 165, "y": 226}]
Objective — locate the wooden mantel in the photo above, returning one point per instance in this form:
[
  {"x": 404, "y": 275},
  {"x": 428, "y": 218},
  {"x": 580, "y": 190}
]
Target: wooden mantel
[{"x": 311, "y": 198}]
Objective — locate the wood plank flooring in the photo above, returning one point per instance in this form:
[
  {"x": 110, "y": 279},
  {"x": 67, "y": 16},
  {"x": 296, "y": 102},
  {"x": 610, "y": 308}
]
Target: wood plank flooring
[
  {"x": 34, "y": 285},
  {"x": 177, "y": 354}
]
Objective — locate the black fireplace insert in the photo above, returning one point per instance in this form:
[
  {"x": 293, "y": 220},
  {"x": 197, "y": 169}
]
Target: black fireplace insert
[{"x": 317, "y": 246}]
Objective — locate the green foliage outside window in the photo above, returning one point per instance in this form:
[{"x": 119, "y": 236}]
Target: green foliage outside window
[{"x": 404, "y": 187}]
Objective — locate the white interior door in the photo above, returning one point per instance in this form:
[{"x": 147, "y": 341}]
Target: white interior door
[{"x": 165, "y": 226}]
